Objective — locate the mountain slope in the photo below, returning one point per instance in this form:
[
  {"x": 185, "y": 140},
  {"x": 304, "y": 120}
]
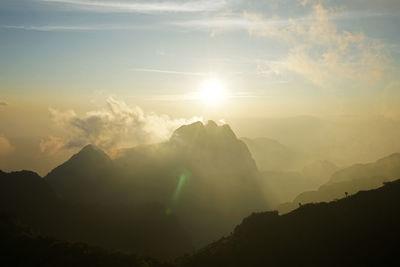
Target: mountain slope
[{"x": 361, "y": 230}]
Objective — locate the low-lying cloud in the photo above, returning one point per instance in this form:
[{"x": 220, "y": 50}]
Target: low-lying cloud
[{"x": 118, "y": 125}]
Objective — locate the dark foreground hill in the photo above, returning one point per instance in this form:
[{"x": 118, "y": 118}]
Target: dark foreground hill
[
  {"x": 360, "y": 230},
  {"x": 142, "y": 228},
  {"x": 21, "y": 246}
]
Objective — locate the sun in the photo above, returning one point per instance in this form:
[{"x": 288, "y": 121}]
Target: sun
[{"x": 212, "y": 91}]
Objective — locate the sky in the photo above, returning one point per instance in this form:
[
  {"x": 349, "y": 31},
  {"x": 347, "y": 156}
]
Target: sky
[{"x": 121, "y": 73}]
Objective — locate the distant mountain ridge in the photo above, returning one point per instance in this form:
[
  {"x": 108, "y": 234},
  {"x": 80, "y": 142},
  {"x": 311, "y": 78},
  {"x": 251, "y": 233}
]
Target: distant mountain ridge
[
  {"x": 387, "y": 167},
  {"x": 350, "y": 180}
]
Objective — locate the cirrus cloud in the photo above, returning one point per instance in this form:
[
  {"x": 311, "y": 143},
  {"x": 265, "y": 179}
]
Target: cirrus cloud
[{"x": 143, "y": 6}]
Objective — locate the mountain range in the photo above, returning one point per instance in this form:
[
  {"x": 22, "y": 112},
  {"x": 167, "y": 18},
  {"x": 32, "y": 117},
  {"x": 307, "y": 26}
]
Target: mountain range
[
  {"x": 197, "y": 186},
  {"x": 174, "y": 197}
]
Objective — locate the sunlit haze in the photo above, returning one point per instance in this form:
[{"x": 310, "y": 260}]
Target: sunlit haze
[{"x": 180, "y": 133}]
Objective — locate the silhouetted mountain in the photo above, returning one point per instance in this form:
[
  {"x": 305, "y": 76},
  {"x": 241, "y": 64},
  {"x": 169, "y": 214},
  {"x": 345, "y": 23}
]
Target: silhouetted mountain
[
  {"x": 351, "y": 180},
  {"x": 204, "y": 174},
  {"x": 361, "y": 230},
  {"x": 143, "y": 228},
  {"x": 88, "y": 176},
  {"x": 21, "y": 246}
]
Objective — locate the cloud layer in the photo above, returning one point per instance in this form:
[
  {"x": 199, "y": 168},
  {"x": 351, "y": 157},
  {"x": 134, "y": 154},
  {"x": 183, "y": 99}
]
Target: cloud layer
[{"x": 118, "y": 125}]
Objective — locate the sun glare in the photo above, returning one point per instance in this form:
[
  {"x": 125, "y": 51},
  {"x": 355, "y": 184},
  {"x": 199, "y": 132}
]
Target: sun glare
[{"x": 212, "y": 91}]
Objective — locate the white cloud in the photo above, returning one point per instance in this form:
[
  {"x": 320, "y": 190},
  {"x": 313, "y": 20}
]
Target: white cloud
[
  {"x": 118, "y": 125},
  {"x": 5, "y": 146},
  {"x": 144, "y": 6},
  {"x": 323, "y": 54}
]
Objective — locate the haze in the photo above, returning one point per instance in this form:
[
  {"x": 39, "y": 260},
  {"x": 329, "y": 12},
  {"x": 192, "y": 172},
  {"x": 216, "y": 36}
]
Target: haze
[{"x": 194, "y": 115}]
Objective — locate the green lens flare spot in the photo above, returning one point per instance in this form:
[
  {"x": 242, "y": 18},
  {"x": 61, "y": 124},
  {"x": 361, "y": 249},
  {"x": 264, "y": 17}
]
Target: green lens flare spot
[{"x": 185, "y": 175}]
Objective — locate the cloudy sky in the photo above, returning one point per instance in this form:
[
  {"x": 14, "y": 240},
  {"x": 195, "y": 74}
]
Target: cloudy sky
[{"x": 78, "y": 71}]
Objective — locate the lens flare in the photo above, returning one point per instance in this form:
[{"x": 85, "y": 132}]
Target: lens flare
[{"x": 185, "y": 175}]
